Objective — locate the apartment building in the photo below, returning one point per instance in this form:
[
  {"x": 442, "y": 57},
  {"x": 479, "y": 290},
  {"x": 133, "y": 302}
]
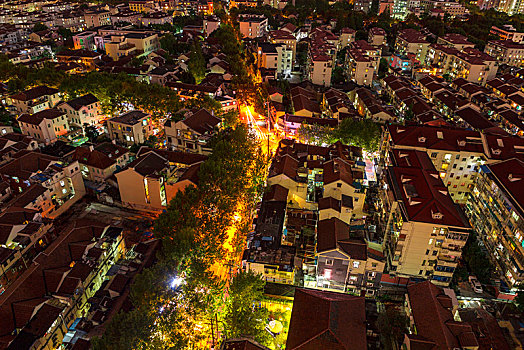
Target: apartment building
[
  {"x": 426, "y": 230},
  {"x": 451, "y": 7},
  {"x": 45, "y": 126},
  {"x": 275, "y": 56},
  {"x": 84, "y": 40},
  {"x": 320, "y": 69},
  {"x": 360, "y": 68},
  {"x": 507, "y": 32},
  {"x": 82, "y": 110},
  {"x": 156, "y": 18},
  {"x": 321, "y": 56},
  {"x": 473, "y": 65},
  {"x": 377, "y": 36},
  {"x": 411, "y": 41},
  {"x": 506, "y": 51},
  {"x": 456, "y": 41},
  {"x": 456, "y": 153},
  {"x": 468, "y": 63},
  {"x": 97, "y": 18},
  {"x": 131, "y": 44},
  {"x": 133, "y": 127},
  {"x": 361, "y": 62},
  {"x": 141, "y": 5},
  {"x": 34, "y": 100},
  {"x": 192, "y": 133},
  {"x": 285, "y": 38},
  {"x": 126, "y": 17},
  {"x": 496, "y": 210},
  {"x": 253, "y": 26}
]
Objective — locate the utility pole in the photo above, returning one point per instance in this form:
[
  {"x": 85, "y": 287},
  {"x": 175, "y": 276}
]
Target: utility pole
[{"x": 268, "y": 128}]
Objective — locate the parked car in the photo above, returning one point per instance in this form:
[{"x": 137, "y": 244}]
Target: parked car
[{"x": 475, "y": 284}]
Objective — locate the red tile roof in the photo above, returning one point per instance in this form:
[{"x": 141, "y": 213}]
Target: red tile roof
[
  {"x": 433, "y": 319},
  {"x": 422, "y": 193},
  {"x": 438, "y": 138},
  {"x": 326, "y": 320}
]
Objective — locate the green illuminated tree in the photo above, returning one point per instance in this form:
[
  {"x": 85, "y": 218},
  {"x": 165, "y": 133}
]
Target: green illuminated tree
[{"x": 244, "y": 314}]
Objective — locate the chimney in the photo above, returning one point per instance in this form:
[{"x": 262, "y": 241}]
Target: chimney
[
  {"x": 113, "y": 142},
  {"x": 91, "y": 148}
]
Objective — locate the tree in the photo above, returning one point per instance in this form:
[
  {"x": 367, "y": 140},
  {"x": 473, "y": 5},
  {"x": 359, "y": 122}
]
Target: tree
[
  {"x": 519, "y": 298},
  {"x": 373, "y": 10},
  {"x": 5, "y": 117},
  {"x": 244, "y": 315},
  {"x": 477, "y": 260},
  {"x": 39, "y": 27},
  {"x": 361, "y": 133},
  {"x": 410, "y": 114},
  {"x": 382, "y": 68},
  {"x": 197, "y": 63},
  {"x": 315, "y": 134},
  {"x": 91, "y": 132},
  {"x": 392, "y": 324},
  {"x": 65, "y": 32},
  {"x": 129, "y": 330}
]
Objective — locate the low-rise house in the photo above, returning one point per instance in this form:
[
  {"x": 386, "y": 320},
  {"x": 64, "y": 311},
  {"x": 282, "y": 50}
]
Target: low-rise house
[
  {"x": 305, "y": 102},
  {"x": 156, "y": 18},
  {"x": 432, "y": 323},
  {"x": 49, "y": 296},
  {"x": 89, "y": 59},
  {"x": 344, "y": 263},
  {"x": 24, "y": 235},
  {"x": 43, "y": 183},
  {"x": 211, "y": 23},
  {"x": 45, "y": 126},
  {"x": 34, "y": 100},
  {"x": 155, "y": 176},
  {"x": 192, "y": 133},
  {"x": 82, "y": 110},
  {"x": 100, "y": 162},
  {"x": 327, "y": 320},
  {"x": 133, "y": 127}
]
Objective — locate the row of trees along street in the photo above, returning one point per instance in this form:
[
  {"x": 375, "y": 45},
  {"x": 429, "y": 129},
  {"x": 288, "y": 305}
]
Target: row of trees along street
[{"x": 196, "y": 235}]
